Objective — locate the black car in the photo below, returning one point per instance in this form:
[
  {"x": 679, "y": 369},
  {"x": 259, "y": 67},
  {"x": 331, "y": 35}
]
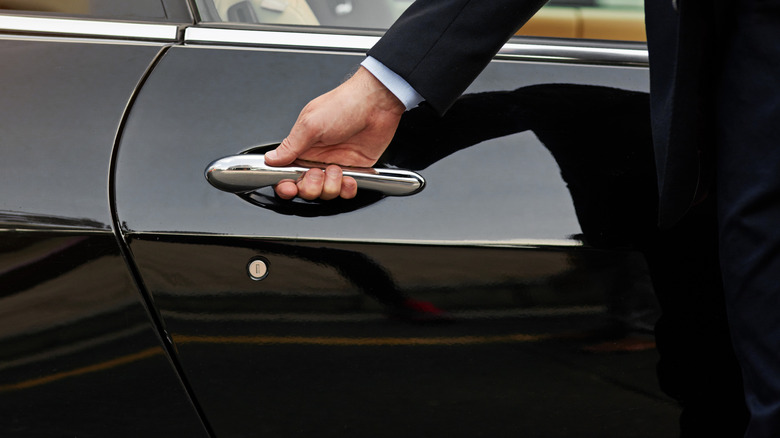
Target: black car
[{"x": 138, "y": 300}]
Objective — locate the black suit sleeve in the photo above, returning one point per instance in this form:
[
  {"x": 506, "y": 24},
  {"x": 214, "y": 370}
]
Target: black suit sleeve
[{"x": 440, "y": 46}]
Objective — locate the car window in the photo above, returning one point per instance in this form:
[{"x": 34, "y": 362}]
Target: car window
[
  {"x": 172, "y": 11},
  {"x": 592, "y": 19}
]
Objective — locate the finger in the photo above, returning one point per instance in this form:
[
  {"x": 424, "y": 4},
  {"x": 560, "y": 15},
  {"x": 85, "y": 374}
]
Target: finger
[
  {"x": 286, "y": 189},
  {"x": 332, "y": 185},
  {"x": 348, "y": 187},
  {"x": 310, "y": 186}
]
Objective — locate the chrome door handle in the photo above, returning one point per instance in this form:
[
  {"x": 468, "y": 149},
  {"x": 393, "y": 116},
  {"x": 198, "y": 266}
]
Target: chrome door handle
[{"x": 247, "y": 173}]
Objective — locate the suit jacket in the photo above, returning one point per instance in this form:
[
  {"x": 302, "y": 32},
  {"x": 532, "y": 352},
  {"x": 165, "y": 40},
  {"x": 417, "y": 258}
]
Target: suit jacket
[{"x": 440, "y": 46}]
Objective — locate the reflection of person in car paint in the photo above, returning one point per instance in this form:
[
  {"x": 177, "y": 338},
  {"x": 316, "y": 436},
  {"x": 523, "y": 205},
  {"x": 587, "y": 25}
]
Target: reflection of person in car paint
[
  {"x": 605, "y": 156},
  {"x": 367, "y": 275},
  {"x": 715, "y": 81},
  {"x": 606, "y": 159}
]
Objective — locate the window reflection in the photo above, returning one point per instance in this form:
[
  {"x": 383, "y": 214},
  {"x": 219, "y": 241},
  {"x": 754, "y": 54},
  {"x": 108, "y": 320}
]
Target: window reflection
[
  {"x": 592, "y": 19},
  {"x": 589, "y": 19},
  {"x": 143, "y": 10},
  {"x": 77, "y": 7}
]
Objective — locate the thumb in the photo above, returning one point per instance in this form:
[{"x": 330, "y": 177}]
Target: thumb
[
  {"x": 299, "y": 140},
  {"x": 283, "y": 155}
]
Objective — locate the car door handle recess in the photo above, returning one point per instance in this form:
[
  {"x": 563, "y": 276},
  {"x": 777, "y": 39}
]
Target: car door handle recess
[{"x": 247, "y": 173}]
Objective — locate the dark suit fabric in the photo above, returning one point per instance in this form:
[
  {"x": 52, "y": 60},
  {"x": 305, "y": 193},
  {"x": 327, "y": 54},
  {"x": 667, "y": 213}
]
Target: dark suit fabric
[
  {"x": 748, "y": 180},
  {"x": 440, "y": 46},
  {"x": 684, "y": 53},
  {"x": 715, "y": 82}
]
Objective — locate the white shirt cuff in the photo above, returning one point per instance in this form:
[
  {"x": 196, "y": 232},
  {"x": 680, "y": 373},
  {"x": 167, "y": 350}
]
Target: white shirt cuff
[{"x": 396, "y": 84}]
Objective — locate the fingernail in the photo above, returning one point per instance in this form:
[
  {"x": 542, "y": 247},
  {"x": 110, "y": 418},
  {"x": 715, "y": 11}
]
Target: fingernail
[{"x": 271, "y": 155}]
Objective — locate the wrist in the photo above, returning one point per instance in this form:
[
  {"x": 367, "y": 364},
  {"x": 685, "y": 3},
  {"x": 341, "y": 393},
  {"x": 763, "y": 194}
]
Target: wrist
[{"x": 381, "y": 95}]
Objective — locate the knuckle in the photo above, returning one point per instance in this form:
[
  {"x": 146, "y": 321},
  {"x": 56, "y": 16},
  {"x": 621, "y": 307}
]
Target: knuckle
[{"x": 310, "y": 187}]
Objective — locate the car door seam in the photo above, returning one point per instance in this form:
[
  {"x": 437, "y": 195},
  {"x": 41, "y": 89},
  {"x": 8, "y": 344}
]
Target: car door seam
[{"x": 117, "y": 228}]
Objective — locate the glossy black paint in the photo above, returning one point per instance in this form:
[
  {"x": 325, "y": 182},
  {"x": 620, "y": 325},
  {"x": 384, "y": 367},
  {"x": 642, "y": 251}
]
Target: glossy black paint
[
  {"x": 60, "y": 121},
  {"x": 404, "y": 316},
  {"x": 230, "y": 100},
  {"x": 324, "y": 345},
  {"x": 78, "y": 353}
]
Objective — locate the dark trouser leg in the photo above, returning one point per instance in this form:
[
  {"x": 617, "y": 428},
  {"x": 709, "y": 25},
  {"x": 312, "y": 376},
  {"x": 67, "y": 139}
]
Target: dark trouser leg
[
  {"x": 748, "y": 128},
  {"x": 697, "y": 365}
]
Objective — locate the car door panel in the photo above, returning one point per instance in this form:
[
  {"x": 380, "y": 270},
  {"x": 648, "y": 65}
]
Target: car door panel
[
  {"x": 79, "y": 355},
  {"x": 403, "y": 316}
]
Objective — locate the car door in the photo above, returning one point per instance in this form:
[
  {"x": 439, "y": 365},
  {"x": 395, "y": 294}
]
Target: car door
[
  {"x": 79, "y": 353},
  {"x": 460, "y": 310}
]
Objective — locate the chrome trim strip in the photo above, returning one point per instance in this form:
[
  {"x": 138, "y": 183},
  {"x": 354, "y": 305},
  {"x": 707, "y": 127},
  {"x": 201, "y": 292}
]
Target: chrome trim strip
[
  {"x": 579, "y": 54},
  {"x": 101, "y": 28},
  {"x": 80, "y": 39},
  {"x": 272, "y": 38},
  {"x": 551, "y": 243},
  {"x": 525, "y": 51}
]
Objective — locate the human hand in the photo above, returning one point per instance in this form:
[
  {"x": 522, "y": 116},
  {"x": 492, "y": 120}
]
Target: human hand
[{"x": 351, "y": 125}]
